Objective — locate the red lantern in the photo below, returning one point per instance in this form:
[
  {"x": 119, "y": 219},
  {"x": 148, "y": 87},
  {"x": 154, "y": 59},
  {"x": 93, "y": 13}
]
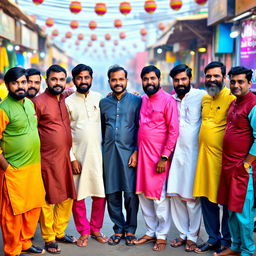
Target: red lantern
[
  {"x": 175, "y": 4},
  {"x": 100, "y": 8},
  {"x": 102, "y": 44},
  {"x": 201, "y": 2},
  {"x": 63, "y": 40},
  {"x": 115, "y": 42},
  {"x": 68, "y": 34},
  {"x": 107, "y": 36},
  {"x": 122, "y": 35},
  {"x": 75, "y": 7},
  {"x": 37, "y": 2},
  {"x": 150, "y": 6},
  {"x": 125, "y": 8},
  {"x": 74, "y": 24},
  {"x": 92, "y": 24},
  {"x": 49, "y": 22},
  {"x": 161, "y": 26},
  {"x": 55, "y": 32},
  {"x": 118, "y": 23},
  {"x": 89, "y": 44},
  {"x": 143, "y": 32},
  {"x": 80, "y": 36},
  {"x": 93, "y": 37}
]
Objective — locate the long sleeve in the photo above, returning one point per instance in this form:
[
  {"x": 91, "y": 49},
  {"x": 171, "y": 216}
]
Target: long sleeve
[
  {"x": 4, "y": 120},
  {"x": 252, "y": 119}
]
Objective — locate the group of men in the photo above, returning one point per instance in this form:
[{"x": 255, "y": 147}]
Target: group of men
[{"x": 176, "y": 155}]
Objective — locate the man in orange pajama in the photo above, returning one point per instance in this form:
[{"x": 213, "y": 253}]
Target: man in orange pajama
[{"x": 21, "y": 186}]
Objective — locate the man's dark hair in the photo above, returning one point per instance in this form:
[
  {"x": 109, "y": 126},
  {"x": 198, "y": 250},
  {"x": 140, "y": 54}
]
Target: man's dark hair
[
  {"x": 216, "y": 64},
  {"x": 32, "y": 72},
  {"x": 79, "y": 68},
  {"x": 116, "y": 68},
  {"x": 55, "y": 69},
  {"x": 149, "y": 69},
  {"x": 179, "y": 69},
  {"x": 14, "y": 74},
  {"x": 241, "y": 70}
]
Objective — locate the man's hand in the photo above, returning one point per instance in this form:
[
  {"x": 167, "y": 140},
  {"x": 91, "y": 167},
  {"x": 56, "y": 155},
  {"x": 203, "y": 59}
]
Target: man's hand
[
  {"x": 161, "y": 165},
  {"x": 3, "y": 163},
  {"x": 133, "y": 159},
  {"x": 76, "y": 167}
]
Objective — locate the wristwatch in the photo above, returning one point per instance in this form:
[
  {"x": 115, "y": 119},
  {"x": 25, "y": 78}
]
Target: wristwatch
[
  {"x": 164, "y": 157},
  {"x": 246, "y": 165}
]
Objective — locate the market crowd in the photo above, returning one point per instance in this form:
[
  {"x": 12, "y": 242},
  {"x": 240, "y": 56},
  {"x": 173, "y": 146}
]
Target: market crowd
[{"x": 184, "y": 156}]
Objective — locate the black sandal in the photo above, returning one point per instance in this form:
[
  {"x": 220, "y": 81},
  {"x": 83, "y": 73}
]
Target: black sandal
[
  {"x": 114, "y": 240},
  {"x": 66, "y": 239},
  {"x": 52, "y": 245},
  {"x": 129, "y": 240}
]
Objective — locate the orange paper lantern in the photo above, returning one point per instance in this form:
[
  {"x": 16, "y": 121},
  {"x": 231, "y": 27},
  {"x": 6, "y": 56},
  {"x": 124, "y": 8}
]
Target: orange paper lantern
[
  {"x": 161, "y": 26},
  {"x": 68, "y": 34},
  {"x": 55, "y": 32},
  {"x": 100, "y": 8},
  {"x": 143, "y": 32},
  {"x": 49, "y": 22},
  {"x": 80, "y": 36},
  {"x": 150, "y": 6},
  {"x": 107, "y": 36},
  {"x": 125, "y": 8},
  {"x": 75, "y": 7},
  {"x": 92, "y": 24},
  {"x": 122, "y": 35},
  {"x": 175, "y": 4},
  {"x": 37, "y": 2},
  {"x": 93, "y": 37},
  {"x": 118, "y": 23},
  {"x": 74, "y": 24},
  {"x": 201, "y": 2}
]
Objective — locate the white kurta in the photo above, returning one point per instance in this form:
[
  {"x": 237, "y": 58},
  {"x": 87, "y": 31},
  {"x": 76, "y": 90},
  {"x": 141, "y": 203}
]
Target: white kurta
[
  {"x": 85, "y": 124},
  {"x": 183, "y": 166}
]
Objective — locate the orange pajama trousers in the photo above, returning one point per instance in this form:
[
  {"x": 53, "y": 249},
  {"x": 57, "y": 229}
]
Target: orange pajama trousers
[{"x": 17, "y": 230}]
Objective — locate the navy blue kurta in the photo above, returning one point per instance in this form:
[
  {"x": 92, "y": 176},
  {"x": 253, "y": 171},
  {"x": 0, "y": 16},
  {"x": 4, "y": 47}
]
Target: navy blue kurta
[{"x": 120, "y": 121}]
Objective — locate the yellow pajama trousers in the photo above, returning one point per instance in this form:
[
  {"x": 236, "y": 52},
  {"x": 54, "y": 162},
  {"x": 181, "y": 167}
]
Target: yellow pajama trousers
[{"x": 54, "y": 219}]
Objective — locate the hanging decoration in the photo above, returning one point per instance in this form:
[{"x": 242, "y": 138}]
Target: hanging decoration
[
  {"x": 143, "y": 32},
  {"x": 144, "y": 38},
  {"x": 115, "y": 42},
  {"x": 68, "y": 34},
  {"x": 63, "y": 40},
  {"x": 175, "y": 4},
  {"x": 89, "y": 44},
  {"x": 74, "y": 24},
  {"x": 80, "y": 36},
  {"x": 161, "y": 26},
  {"x": 100, "y": 9},
  {"x": 37, "y": 2},
  {"x": 77, "y": 42},
  {"x": 55, "y": 32},
  {"x": 118, "y": 23},
  {"x": 122, "y": 35},
  {"x": 107, "y": 36},
  {"x": 92, "y": 24},
  {"x": 102, "y": 44},
  {"x": 125, "y": 8},
  {"x": 201, "y": 2},
  {"x": 93, "y": 37},
  {"x": 49, "y": 22},
  {"x": 150, "y": 6},
  {"x": 75, "y": 7}
]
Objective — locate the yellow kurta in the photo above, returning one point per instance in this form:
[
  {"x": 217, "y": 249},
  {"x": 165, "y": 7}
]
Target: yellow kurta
[{"x": 214, "y": 114}]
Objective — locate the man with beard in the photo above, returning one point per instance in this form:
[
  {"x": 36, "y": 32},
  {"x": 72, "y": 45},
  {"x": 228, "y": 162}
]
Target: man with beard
[
  {"x": 34, "y": 82},
  {"x": 55, "y": 135},
  {"x": 215, "y": 106},
  {"x": 185, "y": 209},
  {"x": 86, "y": 155},
  {"x": 120, "y": 120},
  {"x": 21, "y": 186},
  {"x": 158, "y": 132}
]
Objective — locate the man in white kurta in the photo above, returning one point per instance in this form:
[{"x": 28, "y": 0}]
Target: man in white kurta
[
  {"x": 185, "y": 209},
  {"x": 86, "y": 156}
]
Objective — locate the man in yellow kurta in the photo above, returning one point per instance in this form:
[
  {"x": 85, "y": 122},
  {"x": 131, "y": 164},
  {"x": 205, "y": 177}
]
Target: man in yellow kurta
[
  {"x": 22, "y": 190},
  {"x": 3, "y": 89},
  {"x": 215, "y": 106}
]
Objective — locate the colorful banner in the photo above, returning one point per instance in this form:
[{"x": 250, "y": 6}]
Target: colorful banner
[{"x": 248, "y": 47}]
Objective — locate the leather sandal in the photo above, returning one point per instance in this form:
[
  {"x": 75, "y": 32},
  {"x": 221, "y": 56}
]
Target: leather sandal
[
  {"x": 114, "y": 239},
  {"x": 160, "y": 245},
  {"x": 52, "y": 245},
  {"x": 100, "y": 238},
  {"x": 190, "y": 246},
  {"x": 177, "y": 242},
  {"x": 129, "y": 240},
  {"x": 145, "y": 240},
  {"x": 67, "y": 239},
  {"x": 82, "y": 242},
  {"x": 203, "y": 248}
]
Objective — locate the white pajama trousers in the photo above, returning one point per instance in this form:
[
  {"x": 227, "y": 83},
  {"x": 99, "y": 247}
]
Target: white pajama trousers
[
  {"x": 186, "y": 217},
  {"x": 156, "y": 215}
]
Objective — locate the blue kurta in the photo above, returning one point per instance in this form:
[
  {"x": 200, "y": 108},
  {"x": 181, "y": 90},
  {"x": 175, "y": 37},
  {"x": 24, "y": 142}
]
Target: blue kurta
[{"x": 120, "y": 120}]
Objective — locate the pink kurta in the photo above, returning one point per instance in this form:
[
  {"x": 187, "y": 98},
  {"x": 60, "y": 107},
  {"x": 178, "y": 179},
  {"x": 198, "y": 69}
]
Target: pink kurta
[{"x": 158, "y": 132}]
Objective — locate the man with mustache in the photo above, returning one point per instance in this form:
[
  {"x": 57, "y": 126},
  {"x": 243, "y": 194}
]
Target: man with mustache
[
  {"x": 185, "y": 209},
  {"x": 158, "y": 132},
  {"x": 56, "y": 141},
  {"x": 215, "y": 107},
  {"x": 120, "y": 120},
  {"x": 21, "y": 186},
  {"x": 86, "y": 155},
  {"x": 34, "y": 82}
]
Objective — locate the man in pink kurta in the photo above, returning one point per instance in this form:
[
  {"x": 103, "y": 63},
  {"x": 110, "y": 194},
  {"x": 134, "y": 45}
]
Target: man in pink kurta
[{"x": 158, "y": 132}]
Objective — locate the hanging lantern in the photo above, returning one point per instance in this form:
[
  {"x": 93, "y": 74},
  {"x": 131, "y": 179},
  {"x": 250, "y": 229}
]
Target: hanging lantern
[
  {"x": 125, "y": 8},
  {"x": 68, "y": 34},
  {"x": 175, "y": 4},
  {"x": 49, "y": 22},
  {"x": 89, "y": 44},
  {"x": 37, "y": 2},
  {"x": 122, "y": 35},
  {"x": 150, "y": 6},
  {"x": 144, "y": 38},
  {"x": 116, "y": 42},
  {"x": 93, "y": 37},
  {"x": 118, "y": 23},
  {"x": 107, "y": 36},
  {"x": 55, "y": 32},
  {"x": 77, "y": 42},
  {"x": 92, "y": 24},
  {"x": 100, "y": 8},
  {"x": 102, "y": 44},
  {"x": 63, "y": 40},
  {"x": 80, "y": 36},
  {"x": 161, "y": 26},
  {"x": 74, "y": 24},
  {"x": 201, "y": 2},
  {"x": 75, "y": 7},
  {"x": 143, "y": 32}
]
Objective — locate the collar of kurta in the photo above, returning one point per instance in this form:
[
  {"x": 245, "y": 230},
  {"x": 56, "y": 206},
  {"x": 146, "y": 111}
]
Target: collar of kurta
[
  {"x": 176, "y": 97},
  {"x": 244, "y": 98},
  {"x": 81, "y": 95},
  {"x": 17, "y": 101},
  {"x": 53, "y": 96},
  {"x": 124, "y": 95}
]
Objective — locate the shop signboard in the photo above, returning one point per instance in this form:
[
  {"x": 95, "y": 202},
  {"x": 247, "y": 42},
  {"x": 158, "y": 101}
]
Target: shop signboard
[
  {"x": 7, "y": 26},
  {"x": 248, "y": 47}
]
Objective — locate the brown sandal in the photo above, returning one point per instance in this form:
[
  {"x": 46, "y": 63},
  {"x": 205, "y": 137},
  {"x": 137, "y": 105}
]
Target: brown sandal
[
  {"x": 82, "y": 241},
  {"x": 190, "y": 246},
  {"x": 144, "y": 240},
  {"x": 160, "y": 245},
  {"x": 177, "y": 242},
  {"x": 100, "y": 238}
]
